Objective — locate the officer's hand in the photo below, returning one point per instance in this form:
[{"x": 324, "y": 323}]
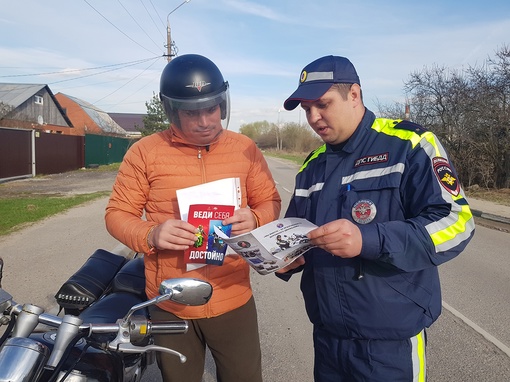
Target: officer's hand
[
  {"x": 339, "y": 237},
  {"x": 173, "y": 234},
  {"x": 242, "y": 221}
]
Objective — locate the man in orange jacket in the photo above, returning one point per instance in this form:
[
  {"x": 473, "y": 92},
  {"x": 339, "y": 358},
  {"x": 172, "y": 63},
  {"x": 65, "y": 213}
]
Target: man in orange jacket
[{"x": 195, "y": 149}]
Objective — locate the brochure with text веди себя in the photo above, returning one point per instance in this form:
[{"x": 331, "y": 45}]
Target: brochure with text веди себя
[{"x": 210, "y": 246}]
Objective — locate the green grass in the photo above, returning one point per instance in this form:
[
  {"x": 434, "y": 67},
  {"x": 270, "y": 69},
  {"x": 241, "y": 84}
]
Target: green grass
[
  {"x": 18, "y": 211},
  {"x": 297, "y": 158},
  {"x": 106, "y": 167}
]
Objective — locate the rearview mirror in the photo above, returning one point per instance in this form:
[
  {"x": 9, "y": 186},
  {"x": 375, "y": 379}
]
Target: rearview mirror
[{"x": 187, "y": 291}]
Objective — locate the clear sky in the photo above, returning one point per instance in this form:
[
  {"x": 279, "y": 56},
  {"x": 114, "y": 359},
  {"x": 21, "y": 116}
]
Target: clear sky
[{"x": 110, "y": 53}]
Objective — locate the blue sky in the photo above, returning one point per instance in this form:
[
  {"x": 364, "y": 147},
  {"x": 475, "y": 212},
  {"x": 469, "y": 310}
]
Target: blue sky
[{"x": 109, "y": 53}]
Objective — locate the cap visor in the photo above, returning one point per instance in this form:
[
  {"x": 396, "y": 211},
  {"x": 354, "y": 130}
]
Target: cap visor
[{"x": 306, "y": 92}]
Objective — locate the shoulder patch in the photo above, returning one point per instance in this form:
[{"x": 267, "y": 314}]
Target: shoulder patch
[
  {"x": 446, "y": 176},
  {"x": 411, "y": 126}
]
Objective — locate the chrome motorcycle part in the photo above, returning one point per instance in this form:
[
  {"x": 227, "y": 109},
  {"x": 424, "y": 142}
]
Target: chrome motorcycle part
[{"x": 22, "y": 360}]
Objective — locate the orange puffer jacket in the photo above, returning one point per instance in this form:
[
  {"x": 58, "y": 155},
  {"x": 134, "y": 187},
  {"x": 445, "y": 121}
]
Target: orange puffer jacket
[{"x": 151, "y": 172}]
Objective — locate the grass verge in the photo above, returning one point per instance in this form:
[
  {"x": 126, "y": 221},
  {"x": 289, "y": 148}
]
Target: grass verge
[
  {"x": 26, "y": 208},
  {"x": 501, "y": 196},
  {"x": 297, "y": 158},
  {"x": 16, "y": 212},
  {"x": 19, "y": 211}
]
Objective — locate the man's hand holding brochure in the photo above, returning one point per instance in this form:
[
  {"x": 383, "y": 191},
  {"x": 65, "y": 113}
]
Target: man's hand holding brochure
[{"x": 266, "y": 249}]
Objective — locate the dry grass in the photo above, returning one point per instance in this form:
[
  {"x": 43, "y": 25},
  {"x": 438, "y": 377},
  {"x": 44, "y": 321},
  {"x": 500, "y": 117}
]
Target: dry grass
[{"x": 501, "y": 196}]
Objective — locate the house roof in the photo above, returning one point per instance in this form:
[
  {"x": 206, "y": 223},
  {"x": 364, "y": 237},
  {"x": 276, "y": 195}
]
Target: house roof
[
  {"x": 14, "y": 95},
  {"x": 131, "y": 122},
  {"x": 100, "y": 117}
]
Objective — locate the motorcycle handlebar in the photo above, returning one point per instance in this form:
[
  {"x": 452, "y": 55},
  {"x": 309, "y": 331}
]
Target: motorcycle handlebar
[
  {"x": 152, "y": 327},
  {"x": 168, "y": 327}
]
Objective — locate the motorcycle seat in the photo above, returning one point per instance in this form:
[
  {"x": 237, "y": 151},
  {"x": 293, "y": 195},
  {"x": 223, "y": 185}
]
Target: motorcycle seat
[
  {"x": 131, "y": 278},
  {"x": 112, "y": 307},
  {"x": 90, "y": 281}
]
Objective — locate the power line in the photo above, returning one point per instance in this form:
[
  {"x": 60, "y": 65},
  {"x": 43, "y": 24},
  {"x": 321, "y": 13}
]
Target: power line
[
  {"x": 136, "y": 92},
  {"x": 95, "y": 74},
  {"x": 112, "y": 24},
  {"x": 132, "y": 79},
  {"x": 66, "y": 71},
  {"x": 123, "y": 101},
  {"x": 136, "y": 22},
  {"x": 155, "y": 10},
  {"x": 162, "y": 23},
  {"x": 91, "y": 84}
]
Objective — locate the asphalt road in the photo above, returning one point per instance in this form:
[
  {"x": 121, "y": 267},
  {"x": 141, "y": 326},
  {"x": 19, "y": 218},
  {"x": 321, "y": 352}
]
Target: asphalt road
[
  {"x": 42, "y": 256},
  {"x": 39, "y": 258}
]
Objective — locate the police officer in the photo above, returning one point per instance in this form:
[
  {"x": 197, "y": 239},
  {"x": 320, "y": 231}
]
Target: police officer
[{"x": 390, "y": 209}]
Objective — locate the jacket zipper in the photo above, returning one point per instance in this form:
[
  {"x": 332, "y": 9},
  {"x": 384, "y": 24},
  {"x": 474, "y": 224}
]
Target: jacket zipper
[
  {"x": 361, "y": 270},
  {"x": 207, "y": 307}
]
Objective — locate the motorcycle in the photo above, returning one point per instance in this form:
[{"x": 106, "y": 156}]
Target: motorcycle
[{"x": 105, "y": 332}]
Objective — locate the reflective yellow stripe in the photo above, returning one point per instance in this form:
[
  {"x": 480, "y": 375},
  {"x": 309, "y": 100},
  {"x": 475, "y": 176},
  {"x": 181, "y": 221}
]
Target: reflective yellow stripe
[
  {"x": 420, "y": 351},
  {"x": 453, "y": 230},
  {"x": 447, "y": 229},
  {"x": 315, "y": 154},
  {"x": 386, "y": 126},
  {"x": 431, "y": 138}
]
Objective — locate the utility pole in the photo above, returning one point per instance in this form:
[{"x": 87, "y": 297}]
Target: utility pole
[
  {"x": 171, "y": 48},
  {"x": 169, "y": 44},
  {"x": 279, "y": 137}
]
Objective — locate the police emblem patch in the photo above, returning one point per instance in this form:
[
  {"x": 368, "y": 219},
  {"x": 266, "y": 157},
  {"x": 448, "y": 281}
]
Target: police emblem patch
[
  {"x": 446, "y": 176},
  {"x": 363, "y": 211}
]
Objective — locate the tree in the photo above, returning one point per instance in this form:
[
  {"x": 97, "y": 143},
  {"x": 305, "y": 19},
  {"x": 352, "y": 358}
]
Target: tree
[
  {"x": 156, "y": 119},
  {"x": 291, "y": 137},
  {"x": 262, "y": 133},
  {"x": 439, "y": 99},
  {"x": 491, "y": 105},
  {"x": 299, "y": 138},
  {"x": 395, "y": 111},
  {"x": 5, "y": 109},
  {"x": 255, "y": 130},
  {"x": 470, "y": 111}
]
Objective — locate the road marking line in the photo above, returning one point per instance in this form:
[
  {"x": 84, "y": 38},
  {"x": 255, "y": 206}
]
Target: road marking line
[{"x": 505, "y": 349}]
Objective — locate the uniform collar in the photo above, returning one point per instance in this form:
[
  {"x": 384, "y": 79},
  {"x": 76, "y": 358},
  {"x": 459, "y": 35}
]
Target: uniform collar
[{"x": 353, "y": 142}]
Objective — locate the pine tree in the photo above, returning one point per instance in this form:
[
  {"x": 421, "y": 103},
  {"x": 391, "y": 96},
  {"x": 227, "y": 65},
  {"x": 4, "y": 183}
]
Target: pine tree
[{"x": 156, "y": 119}]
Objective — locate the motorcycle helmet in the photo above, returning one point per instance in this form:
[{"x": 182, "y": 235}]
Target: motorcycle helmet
[{"x": 193, "y": 82}]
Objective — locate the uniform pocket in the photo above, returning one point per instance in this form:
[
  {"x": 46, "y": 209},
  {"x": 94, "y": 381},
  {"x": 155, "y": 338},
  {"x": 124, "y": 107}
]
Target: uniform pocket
[{"x": 373, "y": 200}]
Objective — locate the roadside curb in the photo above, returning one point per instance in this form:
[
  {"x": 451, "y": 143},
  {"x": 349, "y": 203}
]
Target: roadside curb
[{"x": 492, "y": 217}]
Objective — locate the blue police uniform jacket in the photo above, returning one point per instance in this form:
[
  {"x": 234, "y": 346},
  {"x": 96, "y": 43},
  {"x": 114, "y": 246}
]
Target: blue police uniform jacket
[{"x": 393, "y": 179}]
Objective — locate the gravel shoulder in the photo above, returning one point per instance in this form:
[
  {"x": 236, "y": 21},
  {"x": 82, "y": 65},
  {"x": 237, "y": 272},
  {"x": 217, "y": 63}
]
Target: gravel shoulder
[{"x": 64, "y": 184}]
